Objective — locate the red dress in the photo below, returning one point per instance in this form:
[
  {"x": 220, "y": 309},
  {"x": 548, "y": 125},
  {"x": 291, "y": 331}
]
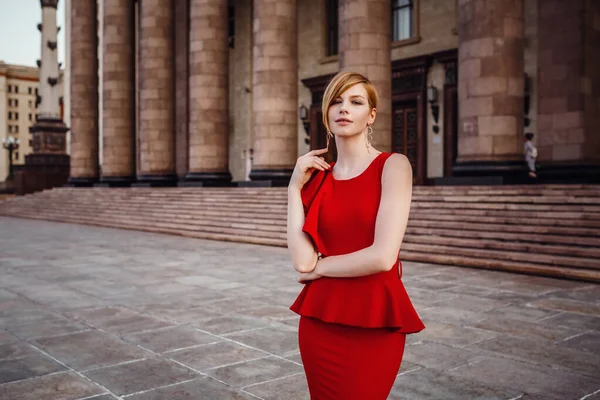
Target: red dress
[{"x": 352, "y": 330}]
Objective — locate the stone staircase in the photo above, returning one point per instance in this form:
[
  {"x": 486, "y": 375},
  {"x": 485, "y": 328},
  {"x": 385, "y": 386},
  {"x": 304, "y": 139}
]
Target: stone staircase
[{"x": 548, "y": 230}]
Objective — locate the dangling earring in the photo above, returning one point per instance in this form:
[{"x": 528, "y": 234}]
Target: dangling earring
[
  {"x": 369, "y": 137},
  {"x": 329, "y": 136}
]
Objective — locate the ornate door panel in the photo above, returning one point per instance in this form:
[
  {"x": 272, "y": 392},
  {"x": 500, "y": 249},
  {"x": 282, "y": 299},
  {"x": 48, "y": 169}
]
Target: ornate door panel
[{"x": 406, "y": 138}]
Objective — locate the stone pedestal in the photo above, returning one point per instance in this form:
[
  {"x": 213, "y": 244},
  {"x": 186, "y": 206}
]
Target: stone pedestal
[
  {"x": 491, "y": 88},
  {"x": 84, "y": 93},
  {"x": 156, "y": 105},
  {"x": 208, "y": 99},
  {"x": 118, "y": 117},
  {"x": 364, "y": 47},
  {"x": 275, "y": 91}
]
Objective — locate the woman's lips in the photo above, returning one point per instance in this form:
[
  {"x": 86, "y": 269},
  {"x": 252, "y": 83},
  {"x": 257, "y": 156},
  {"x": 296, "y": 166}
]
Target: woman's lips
[{"x": 343, "y": 121}]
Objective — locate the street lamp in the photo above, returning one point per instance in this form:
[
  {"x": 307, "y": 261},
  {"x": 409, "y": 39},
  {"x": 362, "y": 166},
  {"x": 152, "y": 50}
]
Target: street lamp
[{"x": 11, "y": 144}]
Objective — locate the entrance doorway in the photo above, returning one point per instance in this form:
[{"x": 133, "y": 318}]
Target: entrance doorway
[{"x": 407, "y": 137}]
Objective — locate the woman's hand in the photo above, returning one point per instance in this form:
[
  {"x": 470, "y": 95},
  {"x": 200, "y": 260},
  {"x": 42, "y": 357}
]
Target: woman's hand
[
  {"x": 309, "y": 276},
  {"x": 305, "y": 166}
]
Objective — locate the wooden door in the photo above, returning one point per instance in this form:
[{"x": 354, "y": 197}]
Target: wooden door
[{"x": 406, "y": 137}]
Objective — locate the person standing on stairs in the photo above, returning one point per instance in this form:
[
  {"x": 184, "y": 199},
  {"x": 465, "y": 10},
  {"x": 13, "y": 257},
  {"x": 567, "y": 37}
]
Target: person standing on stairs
[
  {"x": 530, "y": 153},
  {"x": 345, "y": 225}
]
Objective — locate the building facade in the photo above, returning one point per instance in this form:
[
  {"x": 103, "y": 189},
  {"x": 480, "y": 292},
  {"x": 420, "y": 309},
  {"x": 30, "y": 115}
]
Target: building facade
[
  {"x": 18, "y": 109},
  {"x": 214, "y": 91}
]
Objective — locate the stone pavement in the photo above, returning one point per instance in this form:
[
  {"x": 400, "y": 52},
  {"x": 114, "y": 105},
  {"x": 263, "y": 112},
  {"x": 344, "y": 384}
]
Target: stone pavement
[{"x": 94, "y": 313}]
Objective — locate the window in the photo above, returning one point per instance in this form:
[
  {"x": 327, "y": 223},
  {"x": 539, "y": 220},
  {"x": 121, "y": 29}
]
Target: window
[
  {"x": 16, "y": 89},
  {"x": 10, "y": 129},
  {"x": 9, "y": 88},
  {"x": 402, "y": 19},
  {"x": 9, "y": 115},
  {"x": 36, "y": 91},
  {"x": 16, "y": 102},
  {"x": 16, "y": 155},
  {"x": 30, "y": 103},
  {"x": 9, "y": 102},
  {"x": 30, "y": 117},
  {"x": 16, "y": 128},
  {"x": 331, "y": 28},
  {"x": 16, "y": 116},
  {"x": 29, "y": 90}
]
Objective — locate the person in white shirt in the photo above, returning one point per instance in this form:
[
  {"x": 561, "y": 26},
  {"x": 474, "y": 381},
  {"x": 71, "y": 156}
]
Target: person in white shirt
[{"x": 530, "y": 154}]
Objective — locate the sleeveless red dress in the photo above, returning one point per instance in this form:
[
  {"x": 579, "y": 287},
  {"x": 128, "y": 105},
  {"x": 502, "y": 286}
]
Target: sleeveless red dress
[{"x": 352, "y": 330}]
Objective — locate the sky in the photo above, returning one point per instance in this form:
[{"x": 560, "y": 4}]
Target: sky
[{"x": 20, "y": 40}]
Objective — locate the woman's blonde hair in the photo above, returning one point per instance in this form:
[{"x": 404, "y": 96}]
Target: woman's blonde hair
[{"x": 339, "y": 84}]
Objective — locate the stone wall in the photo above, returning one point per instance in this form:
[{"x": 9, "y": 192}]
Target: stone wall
[
  {"x": 436, "y": 30},
  {"x": 531, "y": 63}
]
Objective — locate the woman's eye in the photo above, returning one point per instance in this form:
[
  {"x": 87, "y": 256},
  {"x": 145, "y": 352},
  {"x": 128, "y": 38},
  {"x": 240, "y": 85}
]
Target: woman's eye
[
  {"x": 357, "y": 102},
  {"x": 337, "y": 101}
]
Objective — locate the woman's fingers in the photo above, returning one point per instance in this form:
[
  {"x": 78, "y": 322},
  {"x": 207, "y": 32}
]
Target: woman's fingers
[{"x": 318, "y": 151}]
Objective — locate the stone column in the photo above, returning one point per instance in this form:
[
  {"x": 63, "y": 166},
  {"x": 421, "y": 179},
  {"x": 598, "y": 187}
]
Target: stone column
[
  {"x": 364, "y": 47},
  {"x": 208, "y": 100},
  {"x": 156, "y": 103},
  {"x": 182, "y": 65},
  {"x": 491, "y": 86},
  {"x": 118, "y": 117},
  {"x": 84, "y": 92},
  {"x": 275, "y": 91}
]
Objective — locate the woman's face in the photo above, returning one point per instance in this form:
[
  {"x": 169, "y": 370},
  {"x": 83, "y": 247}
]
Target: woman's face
[{"x": 350, "y": 113}]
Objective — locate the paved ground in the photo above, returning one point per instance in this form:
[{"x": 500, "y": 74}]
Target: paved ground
[{"x": 92, "y": 313}]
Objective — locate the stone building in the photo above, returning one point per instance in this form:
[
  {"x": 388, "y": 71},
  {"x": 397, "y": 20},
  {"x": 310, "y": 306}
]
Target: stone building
[
  {"x": 210, "y": 91},
  {"x": 18, "y": 109}
]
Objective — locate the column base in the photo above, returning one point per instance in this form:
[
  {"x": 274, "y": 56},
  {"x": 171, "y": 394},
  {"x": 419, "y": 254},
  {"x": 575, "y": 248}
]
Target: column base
[
  {"x": 80, "y": 182},
  {"x": 41, "y": 172},
  {"x": 271, "y": 177},
  {"x": 156, "y": 181},
  {"x": 206, "y": 179},
  {"x": 115, "y": 181},
  {"x": 491, "y": 172},
  {"x": 568, "y": 173}
]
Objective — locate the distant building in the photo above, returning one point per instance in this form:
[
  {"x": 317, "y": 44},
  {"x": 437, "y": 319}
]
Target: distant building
[{"x": 18, "y": 109}]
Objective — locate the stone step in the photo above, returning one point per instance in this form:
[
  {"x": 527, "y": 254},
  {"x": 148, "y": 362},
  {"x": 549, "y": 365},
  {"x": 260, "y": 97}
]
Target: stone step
[
  {"x": 564, "y": 261},
  {"x": 501, "y": 265},
  {"x": 531, "y": 220},
  {"x": 529, "y": 248},
  {"x": 585, "y": 236}
]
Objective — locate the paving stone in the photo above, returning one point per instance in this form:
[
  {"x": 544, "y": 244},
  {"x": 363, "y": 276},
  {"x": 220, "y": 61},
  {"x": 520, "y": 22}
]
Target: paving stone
[
  {"x": 472, "y": 303},
  {"x": 456, "y": 316},
  {"x": 471, "y": 290},
  {"x": 48, "y": 328},
  {"x": 236, "y": 305},
  {"x": 589, "y": 341},
  {"x": 438, "y": 356},
  {"x": 15, "y": 350},
  {"x": 6, "y": 337},
  {"x": 525, "y": 329},
  {"x": 435, "y": 385},
  {"x": 171, "y": 338},
  {"x": 256, "y": 371},
  {"x": 228, "y": 324},
  {"x": 275, "y": 340},
  {"x": 430, "y": 283},
  {"x": 120, "y": 320},
  {"x": 522, "y": 312},
  {"x": 189, "y": 315},
  {"x": 567, "y": 305},
  {"x": 297, "y": 358},
  {"x": 528, "y": 378},
  {"x": 292, "y": 387},
  {"x": 63, "y": 386},
  {"x": 215, "y": 355},
  {"x": 92, "y": 349},
  {"x": 567, "y": 319},
  {"x": 451, "y": 334},
  {"x": 542, "y": 353},
  {"x": 587, "y": 294},
  {"x": 428, "y": 297},
  {"x": 102, "y": 397},
  {"x": 198, "y": 389},
  {"x": 27, "y": 367},
  {"x": 140, "y": 375},
  {"x": 275, "y": 313}
]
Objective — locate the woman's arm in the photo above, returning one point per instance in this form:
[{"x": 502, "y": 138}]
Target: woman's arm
[
  {"x": 302, "y": 250},
  {"x": 392, "y": 219}
]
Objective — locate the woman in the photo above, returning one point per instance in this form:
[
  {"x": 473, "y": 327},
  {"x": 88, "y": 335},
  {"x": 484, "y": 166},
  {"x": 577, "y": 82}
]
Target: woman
[{"x": 345, "y": 225}]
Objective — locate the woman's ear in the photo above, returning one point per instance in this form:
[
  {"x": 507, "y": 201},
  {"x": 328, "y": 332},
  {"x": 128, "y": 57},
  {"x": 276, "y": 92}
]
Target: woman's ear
[{"x": 373, "y": 115}]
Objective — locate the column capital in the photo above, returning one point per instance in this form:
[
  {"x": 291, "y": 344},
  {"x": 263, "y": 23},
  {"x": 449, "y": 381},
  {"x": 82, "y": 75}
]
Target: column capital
[{"x": 49, "y": 3}]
